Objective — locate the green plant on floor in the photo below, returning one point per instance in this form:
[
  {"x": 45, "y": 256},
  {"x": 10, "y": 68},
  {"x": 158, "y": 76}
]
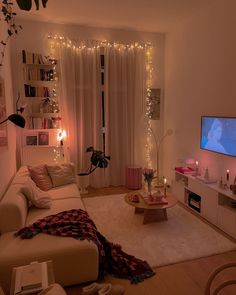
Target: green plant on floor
[
  {"x": 98, "y": 160},
  {"x": 9, "y": 17}
]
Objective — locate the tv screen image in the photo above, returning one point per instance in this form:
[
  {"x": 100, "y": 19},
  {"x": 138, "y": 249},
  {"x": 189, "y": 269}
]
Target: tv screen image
[{"x": 218, "y": 134}]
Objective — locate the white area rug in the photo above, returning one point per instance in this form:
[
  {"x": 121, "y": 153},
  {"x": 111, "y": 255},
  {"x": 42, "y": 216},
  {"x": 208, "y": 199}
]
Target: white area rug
[{"x": 183, "y": 237}]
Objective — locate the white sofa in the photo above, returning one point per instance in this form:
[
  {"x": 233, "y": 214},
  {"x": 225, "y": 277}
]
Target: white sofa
[{"x": 74, "y": 261}]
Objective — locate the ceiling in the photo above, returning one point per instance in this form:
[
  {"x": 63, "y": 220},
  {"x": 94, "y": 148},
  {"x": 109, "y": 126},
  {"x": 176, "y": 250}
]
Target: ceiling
[{"x": 141, "y": 15}]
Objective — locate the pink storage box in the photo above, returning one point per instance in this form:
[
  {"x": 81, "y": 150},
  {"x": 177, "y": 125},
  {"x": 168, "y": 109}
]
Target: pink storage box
[{"x": 134, "y": 177}]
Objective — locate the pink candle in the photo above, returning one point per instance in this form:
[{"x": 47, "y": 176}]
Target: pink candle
[{"x": 227, "y": 174}]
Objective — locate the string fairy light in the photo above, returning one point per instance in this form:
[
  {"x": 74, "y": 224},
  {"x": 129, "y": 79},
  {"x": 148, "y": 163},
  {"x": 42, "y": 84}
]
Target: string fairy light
[
  {"x": 149, "y": 73},
  {"x": 57, "y": 40},
  {"x": 61, "y": 41},
  {"x": 58, "y": 154}
]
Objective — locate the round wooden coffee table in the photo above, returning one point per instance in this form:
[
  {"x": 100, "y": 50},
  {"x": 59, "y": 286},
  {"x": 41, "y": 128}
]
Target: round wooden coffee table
[{"x": 151, "y": 213}]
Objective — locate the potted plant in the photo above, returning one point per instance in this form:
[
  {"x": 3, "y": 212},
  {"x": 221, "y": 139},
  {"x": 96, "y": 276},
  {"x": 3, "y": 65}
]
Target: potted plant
[{"x": 98, "y": 159}]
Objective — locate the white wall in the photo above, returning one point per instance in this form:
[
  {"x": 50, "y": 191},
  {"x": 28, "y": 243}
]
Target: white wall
[
  {"x": 200, "y": 80},
  {"x": 7, "y": 155},
  {"x": 34, "y": 38}
]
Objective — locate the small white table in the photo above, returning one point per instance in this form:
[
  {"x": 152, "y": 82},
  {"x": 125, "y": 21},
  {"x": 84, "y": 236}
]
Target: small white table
[{"x": 51, "y": 278}]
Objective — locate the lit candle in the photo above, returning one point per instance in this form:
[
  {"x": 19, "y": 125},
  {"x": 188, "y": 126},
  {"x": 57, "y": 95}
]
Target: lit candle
[
  {"x": 196, "y": 163},
  {"x": 165, "y": 181},
  {"x": 227, "y": 174}
]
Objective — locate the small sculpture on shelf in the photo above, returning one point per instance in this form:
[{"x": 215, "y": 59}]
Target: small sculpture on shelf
[{"x": 49, "y": 106}]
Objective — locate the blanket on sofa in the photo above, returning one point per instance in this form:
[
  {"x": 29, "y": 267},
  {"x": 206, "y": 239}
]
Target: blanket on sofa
[{"x": 77, "y": 224}]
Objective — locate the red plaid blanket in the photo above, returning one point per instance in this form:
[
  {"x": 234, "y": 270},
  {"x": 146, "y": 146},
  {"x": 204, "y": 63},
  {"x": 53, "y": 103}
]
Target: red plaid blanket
[{"x": 77, "y": 224}]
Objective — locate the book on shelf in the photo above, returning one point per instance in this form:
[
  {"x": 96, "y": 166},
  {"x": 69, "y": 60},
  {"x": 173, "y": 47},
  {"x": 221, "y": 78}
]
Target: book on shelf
[
  {"x": 31, "y": 278},
  {"x": 42, "y": 123},
  {"x": 32, "y": 58},
  {"x": 36, "y": 91},
  {"x": 35, "y": 74}
]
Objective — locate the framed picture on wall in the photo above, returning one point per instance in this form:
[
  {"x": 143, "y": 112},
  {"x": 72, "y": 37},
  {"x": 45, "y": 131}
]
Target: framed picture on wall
[
  {"x": 43, "y": 138},
  {"x": 155, "y": 103},
  {"x": 3, "y": 116}
]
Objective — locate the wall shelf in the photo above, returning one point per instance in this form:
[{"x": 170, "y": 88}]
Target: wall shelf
[{"x": 39, "y": 142}]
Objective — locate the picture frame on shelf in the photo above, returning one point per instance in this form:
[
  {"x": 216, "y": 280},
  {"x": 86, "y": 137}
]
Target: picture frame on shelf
[
  {"x": 31, "y": 140},
  {"x": 43, "y": 138}
]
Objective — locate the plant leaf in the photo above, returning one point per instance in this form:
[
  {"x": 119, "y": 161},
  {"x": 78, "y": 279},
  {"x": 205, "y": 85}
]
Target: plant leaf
[
  {"x": 44, "y": 2},
  {"x": 24, "y": 4},
  {"x": 89, "y": 149},
  {"x": 37, "y": 4}
]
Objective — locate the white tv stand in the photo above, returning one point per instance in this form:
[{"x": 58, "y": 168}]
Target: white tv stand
[{"x": 216, "y": 203}]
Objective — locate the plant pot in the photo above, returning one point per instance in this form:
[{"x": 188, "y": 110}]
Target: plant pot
[{"x": 83, "y": 182}]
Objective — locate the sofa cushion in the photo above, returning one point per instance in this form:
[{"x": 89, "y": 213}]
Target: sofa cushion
[
  {"x": 61, "y": 174},
  {"x": 64, "y": 192},
  {"x": 35, "y": 195},
  {"x": 57, "y": 206},
  {"x": 40, "y": 176}
]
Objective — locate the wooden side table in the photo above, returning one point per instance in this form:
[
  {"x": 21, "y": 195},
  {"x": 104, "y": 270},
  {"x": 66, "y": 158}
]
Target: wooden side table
[{"x": 51, "y": 277}]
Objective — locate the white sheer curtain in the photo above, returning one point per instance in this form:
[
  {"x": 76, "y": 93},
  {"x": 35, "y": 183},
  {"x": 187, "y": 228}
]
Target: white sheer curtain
[
  {"x": 80, "y": 99},
  {"x": 125, "y": 86},
  {"x": 81, "y": 105}
]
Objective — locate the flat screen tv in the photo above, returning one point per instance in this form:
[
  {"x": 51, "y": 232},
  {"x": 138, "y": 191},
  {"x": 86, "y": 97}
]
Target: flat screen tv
[{"x": 218, "y": 134}]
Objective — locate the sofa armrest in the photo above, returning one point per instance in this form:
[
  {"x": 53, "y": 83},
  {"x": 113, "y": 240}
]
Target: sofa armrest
[{"x": 13, "y": 210}]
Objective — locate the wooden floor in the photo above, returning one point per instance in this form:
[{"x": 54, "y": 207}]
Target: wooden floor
[{"x": 186, "y": 278}]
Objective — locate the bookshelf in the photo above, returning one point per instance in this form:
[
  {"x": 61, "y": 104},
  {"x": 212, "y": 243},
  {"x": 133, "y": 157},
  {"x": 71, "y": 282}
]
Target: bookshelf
[
  {"x": 39, "y": 95},
  {"x": 39, "y": 83}
]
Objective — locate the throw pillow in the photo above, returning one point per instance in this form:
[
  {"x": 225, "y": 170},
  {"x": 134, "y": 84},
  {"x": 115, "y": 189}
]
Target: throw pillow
[
  {"x": 36, "y": 196},
  {"x": 40, "y": 176},
  {"x": 61, "y": 174}
]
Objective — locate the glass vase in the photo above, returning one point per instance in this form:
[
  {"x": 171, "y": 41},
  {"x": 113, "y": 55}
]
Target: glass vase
[{"x": 149, "y": 187}]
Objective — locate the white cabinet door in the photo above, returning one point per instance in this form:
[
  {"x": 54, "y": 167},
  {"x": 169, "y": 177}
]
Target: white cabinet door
[
  {"x": 209, "y": 205},
  {"x": 196, "y": 186},
  {"x": 227, "y": 220},
  {"x": 178, "y": 190}
]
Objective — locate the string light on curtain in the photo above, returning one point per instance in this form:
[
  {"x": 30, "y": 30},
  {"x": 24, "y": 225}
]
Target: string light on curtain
[
  {"x": 54, "y": 78},
  {"x": 149, "y": 72},
  {"x": 58, "y": 40},
  {"x": 61, "y": 40}
]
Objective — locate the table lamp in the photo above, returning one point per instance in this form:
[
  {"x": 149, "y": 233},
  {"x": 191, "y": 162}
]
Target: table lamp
[{"x": 17, "y": 119}]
